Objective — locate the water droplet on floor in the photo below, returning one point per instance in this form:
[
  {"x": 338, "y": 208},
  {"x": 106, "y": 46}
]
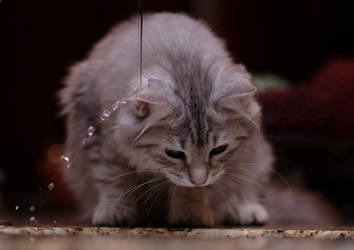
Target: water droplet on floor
[
  {"x": 91, "y": 131},
  {"x": 32, "y": 219},
  {"x": 51, "y": 186},
  {"x": 17, "y": 207},
  {"x": 32, "y": 239},
  {"x": 32, "y": 209},
  {"x": 65, "y": 161},
  {"x": 106, "y": 114}
]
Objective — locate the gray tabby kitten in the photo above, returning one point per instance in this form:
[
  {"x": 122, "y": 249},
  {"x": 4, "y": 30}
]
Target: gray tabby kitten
[{"x": 190, "y": 140}]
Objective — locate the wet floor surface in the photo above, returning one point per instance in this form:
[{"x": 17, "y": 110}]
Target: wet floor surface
[
  {"x": 60, "y": 237},
  {"x": 65, "y": 230}
]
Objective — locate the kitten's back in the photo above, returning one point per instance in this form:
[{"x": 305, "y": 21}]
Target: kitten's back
[{"x": 114, "y": 60}]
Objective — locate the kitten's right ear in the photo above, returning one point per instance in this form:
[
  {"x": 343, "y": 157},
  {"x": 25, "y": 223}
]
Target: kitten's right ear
[
  {"x": 152, "y": 98},
  {"x": 142, "y": 108}
]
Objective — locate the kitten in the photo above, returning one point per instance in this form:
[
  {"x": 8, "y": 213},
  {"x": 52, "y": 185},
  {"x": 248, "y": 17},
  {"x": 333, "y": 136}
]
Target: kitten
[{"x": 190, "y": 138}]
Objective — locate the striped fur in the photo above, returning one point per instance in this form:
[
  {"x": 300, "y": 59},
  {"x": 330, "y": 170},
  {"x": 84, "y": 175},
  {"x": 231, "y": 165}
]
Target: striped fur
[{"x": 193, "y": 98}]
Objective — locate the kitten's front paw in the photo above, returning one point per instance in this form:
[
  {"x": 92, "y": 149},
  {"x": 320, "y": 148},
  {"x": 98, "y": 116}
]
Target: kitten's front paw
[
  {"x": 198, "y": 218},
  {"x": 203, "y": 219},
  {"x": 252, "y": 213},
  {"x": 114, "y": 215}
]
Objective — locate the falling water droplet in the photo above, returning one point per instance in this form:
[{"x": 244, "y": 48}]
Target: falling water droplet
[
  {"x": 84, "y": 142},
  {"x": 91, "y": 131},
  {"x": 51, "y": 186},
  {"x": 32, "y": 209},
  {"x": 65, "y": 160},
  {"x": 106, "y": 114},
  {"x": 40, "y": 189},
  {"x": 32, "y": 219},
  {"x": 115, "y": 106},
  {"x": 124, "y": 101},
  {"x": 55, "y": 221},
  {"x": 17, "y": 207}
]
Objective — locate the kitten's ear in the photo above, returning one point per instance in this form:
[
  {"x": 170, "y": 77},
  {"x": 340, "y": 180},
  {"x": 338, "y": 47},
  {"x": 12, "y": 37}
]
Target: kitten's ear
[
  {"x": 152, "y": 96},
  {"x": 238, "y": 100},
  {"x": 142, "y": 108},
  {"x": 239, "y": 90}
]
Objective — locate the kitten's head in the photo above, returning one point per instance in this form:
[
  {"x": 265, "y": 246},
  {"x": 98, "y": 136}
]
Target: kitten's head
[{"x": 190, "y": 131}]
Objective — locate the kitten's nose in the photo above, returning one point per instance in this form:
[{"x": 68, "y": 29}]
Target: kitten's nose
[{"x": 198, "y": 176}]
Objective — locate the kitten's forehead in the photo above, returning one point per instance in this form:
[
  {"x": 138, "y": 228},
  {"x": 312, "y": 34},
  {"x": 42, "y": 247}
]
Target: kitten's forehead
[
  {"x": 193, "y": 81},
  {"x": 196, "y": 131}
]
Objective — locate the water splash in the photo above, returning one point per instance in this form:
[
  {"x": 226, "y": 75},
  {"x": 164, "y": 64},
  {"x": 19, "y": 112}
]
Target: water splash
[
  {"x": 117, "y": 104},
  {"x": 51, "y": 186},
  {"x": 91, "y": 130},
  {"x": 32, "y": 219},
  {"x": 106, "y": 114},
  {"x": 84, "y": 142},
  {"x": 65, "y": 161},
  {"x": 140, "y": 49}
]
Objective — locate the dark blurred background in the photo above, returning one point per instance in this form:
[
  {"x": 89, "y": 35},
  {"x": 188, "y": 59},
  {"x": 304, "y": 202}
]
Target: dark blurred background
[{"x": 294, "y": 40}]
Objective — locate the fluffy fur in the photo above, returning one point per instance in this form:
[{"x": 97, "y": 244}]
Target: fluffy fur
[{"x": 193, "y": 99}]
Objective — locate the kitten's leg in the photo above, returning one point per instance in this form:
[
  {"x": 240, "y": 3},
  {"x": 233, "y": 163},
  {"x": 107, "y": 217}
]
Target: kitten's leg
[
  {"x": 240, "y": 212},
  {"x": 190, "y": 206},
  {"x": 116, "y": 204},
  {"x": 252, "y": 213}
]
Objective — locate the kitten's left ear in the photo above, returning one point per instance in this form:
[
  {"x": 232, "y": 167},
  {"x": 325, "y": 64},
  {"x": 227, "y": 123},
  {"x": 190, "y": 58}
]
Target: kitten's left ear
[
  {"x": 239, "y": 90},
  {"x": 239, "y": 100}
]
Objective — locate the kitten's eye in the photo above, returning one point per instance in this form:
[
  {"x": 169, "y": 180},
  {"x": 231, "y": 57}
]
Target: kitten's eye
[
  {"x": 175, "y": 154},
  {"x": 218, "y": 150}
]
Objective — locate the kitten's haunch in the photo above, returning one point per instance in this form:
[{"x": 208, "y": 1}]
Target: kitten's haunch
[{"x": 188, "y": 148}]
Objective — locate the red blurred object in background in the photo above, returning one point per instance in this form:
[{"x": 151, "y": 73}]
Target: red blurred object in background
[
  {"x": 323, "y": 105},
  {"x": 51, "y": 170}
]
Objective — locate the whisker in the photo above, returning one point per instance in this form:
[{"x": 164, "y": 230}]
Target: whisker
[
  {"x": 96, "y": 183},
  {"x": 265, "y": 190},
  {"x": 272, "y": 169},
  {"x": 135, "y": 188},
  {"x": 241, "y": 178},
  {"x": 127, "y": 173},
  {"x": 149, "y": 189},
  {"x": 171, "y": 197},
  {"x": 159, "y": 191},
  {"x": 153, "y": 190}
]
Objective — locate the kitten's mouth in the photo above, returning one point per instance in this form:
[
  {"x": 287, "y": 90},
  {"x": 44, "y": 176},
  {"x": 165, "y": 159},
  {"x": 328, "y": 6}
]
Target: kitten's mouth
[
  {"x": 186, "y": 181},
  {"x": 198, "y": 183}
]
